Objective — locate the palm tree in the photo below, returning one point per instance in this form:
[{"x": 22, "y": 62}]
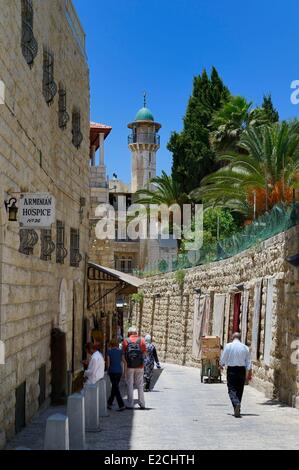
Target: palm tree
[
  {"x": 265, "y": 174},
  {"x": 235, "y": 116},
  {"x": 165, "y": 191},
  {"x": 229, "y": 122}
]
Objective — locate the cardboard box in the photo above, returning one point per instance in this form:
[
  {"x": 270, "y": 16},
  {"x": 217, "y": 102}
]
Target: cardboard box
[{"x": 210, "y": 347}]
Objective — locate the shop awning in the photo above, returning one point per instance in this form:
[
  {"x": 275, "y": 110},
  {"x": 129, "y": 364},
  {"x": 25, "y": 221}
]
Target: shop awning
[
  {"x": 117, "y": 275},
  {"x": 116, "y": 281}
]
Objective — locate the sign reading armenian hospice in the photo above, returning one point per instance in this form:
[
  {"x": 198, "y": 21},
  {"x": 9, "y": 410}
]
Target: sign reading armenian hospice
[{"x": 37, "y": 210}]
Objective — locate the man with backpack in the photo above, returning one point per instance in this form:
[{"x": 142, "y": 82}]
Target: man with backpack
[{"x": 134, "y": 348}]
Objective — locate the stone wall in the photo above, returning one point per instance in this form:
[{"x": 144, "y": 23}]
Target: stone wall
[
  {"x": 37, "y": 156},
  {"x": 168, "y": 308}
]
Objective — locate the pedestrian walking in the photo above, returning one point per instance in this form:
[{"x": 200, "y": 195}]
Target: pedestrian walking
[
  {"x": 96, "y": 366},
  {"x": 134, "y": 348},
  {"x": 236, "y": 357},
  {"x": 150, "y": 359},
  {"x": 115, "y": 372}
]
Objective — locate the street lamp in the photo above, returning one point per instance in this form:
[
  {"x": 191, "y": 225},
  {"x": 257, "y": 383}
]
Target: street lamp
[
  {"x": 238, "y": 287},
  {"x": 197, "y": 290},
  {"x": 12, "y": 209}
]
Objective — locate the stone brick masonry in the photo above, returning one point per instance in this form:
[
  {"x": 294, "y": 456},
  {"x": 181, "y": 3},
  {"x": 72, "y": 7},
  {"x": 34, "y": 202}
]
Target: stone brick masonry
[
  {"x": 168, "y": 316},
  {"x": 37, "y": 156}
]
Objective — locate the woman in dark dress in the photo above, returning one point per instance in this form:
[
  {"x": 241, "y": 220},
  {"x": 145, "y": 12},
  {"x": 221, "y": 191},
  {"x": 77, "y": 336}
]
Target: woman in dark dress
[{"x": 149, "y": 362}]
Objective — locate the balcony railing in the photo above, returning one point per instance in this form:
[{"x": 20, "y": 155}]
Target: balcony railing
[{"x": 144, "y": 138}]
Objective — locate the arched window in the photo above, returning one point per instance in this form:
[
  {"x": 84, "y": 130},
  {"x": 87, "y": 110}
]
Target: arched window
[
  {"x": 28, "y": 41},
  {"x": 49, "y": 85},
  {"x": 63, "y": 116},
  {"x": 76, "y": 128}
]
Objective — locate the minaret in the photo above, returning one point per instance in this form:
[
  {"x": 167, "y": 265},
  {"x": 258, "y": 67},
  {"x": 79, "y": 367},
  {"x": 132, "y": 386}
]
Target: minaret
[{"x": 144, "y": 142}]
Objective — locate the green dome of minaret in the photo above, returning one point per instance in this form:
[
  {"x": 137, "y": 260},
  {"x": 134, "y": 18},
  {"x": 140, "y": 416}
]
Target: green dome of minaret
[{"x": 144, "y": 114}]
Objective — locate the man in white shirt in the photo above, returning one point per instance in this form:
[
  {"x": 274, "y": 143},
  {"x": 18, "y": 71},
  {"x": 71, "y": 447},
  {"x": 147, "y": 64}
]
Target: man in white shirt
[
  {"x": 236, "y": 356},
  {"x": 96, "y": 367}
]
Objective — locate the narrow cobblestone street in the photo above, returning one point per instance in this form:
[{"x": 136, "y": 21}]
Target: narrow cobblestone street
[{"x": 182, "y": 413}]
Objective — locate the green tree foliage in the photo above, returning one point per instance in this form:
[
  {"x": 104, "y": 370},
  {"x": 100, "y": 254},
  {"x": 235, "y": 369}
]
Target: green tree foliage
[
  {"x": 235, "y": 115},
  {"x": 214, "y": 218},
  {"x": 267, "y": 172},
  {"x": 165, "y": 190},
  {"x": 193, "y": 157},
  {"x": 270, "y": 112},
  {"x": 228, "y": 123}
]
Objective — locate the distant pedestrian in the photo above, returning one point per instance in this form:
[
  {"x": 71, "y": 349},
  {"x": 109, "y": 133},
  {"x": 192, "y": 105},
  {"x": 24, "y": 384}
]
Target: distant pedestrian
[
  {"x": 96, "y": 366},
  {"x": 120, "y": 342},
  {"x": 134, "y": 348},
  {"x": 236, "y": 356},
  {"x": 149, "y": 362},
  {"x": 115, "y": 372}
]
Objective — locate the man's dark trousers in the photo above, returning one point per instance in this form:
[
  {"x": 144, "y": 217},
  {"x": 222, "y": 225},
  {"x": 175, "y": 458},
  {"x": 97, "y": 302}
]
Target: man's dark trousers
[{"x": 236, "y": 377}]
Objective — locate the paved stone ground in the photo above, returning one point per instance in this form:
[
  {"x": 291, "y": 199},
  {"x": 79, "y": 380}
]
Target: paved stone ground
[{"x": 184, "y": 414}]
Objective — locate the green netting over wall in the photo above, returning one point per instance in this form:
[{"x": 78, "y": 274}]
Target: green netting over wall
[{"x": 280, "y": 218}]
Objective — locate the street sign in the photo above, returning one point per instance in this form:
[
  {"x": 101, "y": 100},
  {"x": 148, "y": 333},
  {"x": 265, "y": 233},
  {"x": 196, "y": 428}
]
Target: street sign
[{"x": 37, "y": 210}]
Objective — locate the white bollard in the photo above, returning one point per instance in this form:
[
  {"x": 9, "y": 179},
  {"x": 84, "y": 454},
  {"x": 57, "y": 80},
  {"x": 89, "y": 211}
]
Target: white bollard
[
  {"x": 102, "y": 398},
  {"x": 108, "y": 386},
  {"x": 76, "y": 416},
  {"x": 92, "y": 418},
  {"x": 57, "y": 433}
]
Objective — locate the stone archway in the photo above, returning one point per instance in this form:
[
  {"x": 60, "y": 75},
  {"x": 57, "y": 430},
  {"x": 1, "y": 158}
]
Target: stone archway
[
  {"x": 59, "y": 348},
  {"x": 77, "y": 326}
]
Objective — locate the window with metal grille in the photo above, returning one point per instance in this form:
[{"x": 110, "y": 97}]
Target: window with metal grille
[
  {"x": 76, "y": 128},
  {"x": 61, "y": 251},
  {"x": 49, "y": 85},
  {"x": 124, "y": 264},
  {"x": 63, "y": 116},
  {"x": 28, "y": 41},
  {"x": 75, "y": 256},
  {"x": 47, "y": 245},
  {"x": 28, "y": 239}
]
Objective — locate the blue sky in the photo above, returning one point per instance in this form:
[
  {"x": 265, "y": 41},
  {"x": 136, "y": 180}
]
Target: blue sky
[{"x": 160, "y": 45}]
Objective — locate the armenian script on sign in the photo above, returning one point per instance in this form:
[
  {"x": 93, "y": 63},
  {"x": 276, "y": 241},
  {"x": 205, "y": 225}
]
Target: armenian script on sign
[{"x": 37, "y": 210}]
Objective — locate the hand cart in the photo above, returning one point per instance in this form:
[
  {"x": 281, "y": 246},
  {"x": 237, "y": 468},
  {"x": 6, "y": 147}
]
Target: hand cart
[{"x": 210, "y": 359}]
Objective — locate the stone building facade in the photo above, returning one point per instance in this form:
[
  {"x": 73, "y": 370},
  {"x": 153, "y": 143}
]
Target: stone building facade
[
  {"x": 255, "y": 292},
  {"x": 44, "y": 148},
  {"x": 122, "y": 253}
]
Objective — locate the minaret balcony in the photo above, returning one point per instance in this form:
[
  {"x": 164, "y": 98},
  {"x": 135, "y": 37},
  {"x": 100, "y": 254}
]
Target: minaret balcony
[{"x": 144, "y": 138}]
